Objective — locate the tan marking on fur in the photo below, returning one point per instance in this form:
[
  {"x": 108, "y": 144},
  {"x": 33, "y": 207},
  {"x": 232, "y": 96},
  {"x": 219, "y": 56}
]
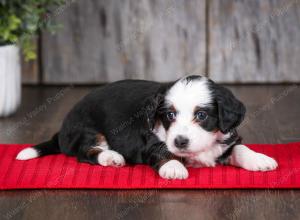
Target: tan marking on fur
[
  {"x": 93, "y": 152},
  {"x": 100, "y": 138},
  {"x": 173, "y": 109},
  {"x": 197, "y": 108}
]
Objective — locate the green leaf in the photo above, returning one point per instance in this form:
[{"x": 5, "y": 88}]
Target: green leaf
[
  {"x": 14, "y": 22},
  {"x": 20, "y": 21},
  {"x": 30, "y": 55}
]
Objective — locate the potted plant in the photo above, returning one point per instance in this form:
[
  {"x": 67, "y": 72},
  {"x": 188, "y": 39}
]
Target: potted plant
[{"x": 20, "y": 21}]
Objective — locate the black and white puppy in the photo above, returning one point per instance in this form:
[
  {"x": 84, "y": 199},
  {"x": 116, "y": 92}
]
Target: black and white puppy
[{"x": 189, "y": 122}]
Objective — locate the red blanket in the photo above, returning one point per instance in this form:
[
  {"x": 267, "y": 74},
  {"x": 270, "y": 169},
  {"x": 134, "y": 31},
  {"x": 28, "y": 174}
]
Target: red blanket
[{"x": 60, "y": 171}]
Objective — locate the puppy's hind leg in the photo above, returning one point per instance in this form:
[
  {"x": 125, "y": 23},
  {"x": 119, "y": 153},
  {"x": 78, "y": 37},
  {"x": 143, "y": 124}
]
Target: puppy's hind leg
[
  {"x": 99, "y": 153},
  {"x": 248, "y": 159}
]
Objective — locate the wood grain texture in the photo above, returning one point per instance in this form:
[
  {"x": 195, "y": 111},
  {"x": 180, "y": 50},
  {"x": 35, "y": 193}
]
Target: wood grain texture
[
  {"x": 30, "y": 72},
  {"x": 272, "y": 117},
  {"x": 104, "y": 41},
  {"x": 254, "y": 41},
  {"x": 150, "y": 204},
  {"x": 30, "y": 69}
]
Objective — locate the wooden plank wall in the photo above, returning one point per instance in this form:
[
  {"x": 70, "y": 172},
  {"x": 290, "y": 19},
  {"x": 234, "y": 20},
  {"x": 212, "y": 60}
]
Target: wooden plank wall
[
  {"x": 31, "y": 69},
  {"x": 254, "y": 41},
  {"x": 112, "y": 40},
  {"x": 232, "y": 41}
]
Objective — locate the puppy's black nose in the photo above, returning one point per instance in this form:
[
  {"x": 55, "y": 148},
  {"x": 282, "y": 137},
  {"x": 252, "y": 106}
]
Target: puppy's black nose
[{"x": 181, "y": 142}]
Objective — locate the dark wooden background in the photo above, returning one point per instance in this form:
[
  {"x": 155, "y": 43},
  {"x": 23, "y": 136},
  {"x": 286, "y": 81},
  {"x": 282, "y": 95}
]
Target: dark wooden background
[{"x": 232, "y": 41}]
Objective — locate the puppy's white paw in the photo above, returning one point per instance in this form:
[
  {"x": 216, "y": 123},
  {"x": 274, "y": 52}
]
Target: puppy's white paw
[
  {"x": 248, "y": 159},
  {"x": 260, "y": 162},
  {"x": 173, "y": 169},
  {"x": 111, "y": 158}
]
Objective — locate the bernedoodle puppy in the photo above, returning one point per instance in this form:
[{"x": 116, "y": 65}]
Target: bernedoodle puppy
[{"x": 189, "y": 122}]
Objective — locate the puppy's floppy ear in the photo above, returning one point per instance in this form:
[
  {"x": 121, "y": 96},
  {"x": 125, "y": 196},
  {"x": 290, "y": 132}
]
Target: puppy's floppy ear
[{"x": 231, "y": 111}]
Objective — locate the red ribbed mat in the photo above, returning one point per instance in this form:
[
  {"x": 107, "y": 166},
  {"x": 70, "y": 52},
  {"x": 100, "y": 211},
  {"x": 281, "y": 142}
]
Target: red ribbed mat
[{"x": 60, "y": 171}]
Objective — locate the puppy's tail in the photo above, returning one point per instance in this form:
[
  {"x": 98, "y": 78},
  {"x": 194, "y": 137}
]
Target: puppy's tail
[{"x": 45, "y": 148}]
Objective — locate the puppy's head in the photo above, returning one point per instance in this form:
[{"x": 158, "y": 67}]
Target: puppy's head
[{"x": 195, "y": 112}]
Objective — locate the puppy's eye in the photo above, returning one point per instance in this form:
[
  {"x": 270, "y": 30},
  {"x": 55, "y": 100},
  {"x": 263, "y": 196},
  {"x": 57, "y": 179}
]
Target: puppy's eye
[
  {"x": 201, "y": 115},
  {"x": 171, "y": 116}
]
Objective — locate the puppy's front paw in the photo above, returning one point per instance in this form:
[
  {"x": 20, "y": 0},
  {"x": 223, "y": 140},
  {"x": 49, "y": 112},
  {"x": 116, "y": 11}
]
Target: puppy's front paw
[
  {"x": 111, "y": 158},
  {"x": 261, "y": 162},
  {"x": 173, "y": 169},
  {"x": 248, "y": 159}
]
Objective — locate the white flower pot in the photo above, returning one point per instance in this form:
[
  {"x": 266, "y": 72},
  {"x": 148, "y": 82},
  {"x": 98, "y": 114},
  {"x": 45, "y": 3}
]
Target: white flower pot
[{"x": 10, "y": 79}]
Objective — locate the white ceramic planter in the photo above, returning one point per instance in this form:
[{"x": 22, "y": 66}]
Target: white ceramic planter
[{"x": 10, "y": 79}]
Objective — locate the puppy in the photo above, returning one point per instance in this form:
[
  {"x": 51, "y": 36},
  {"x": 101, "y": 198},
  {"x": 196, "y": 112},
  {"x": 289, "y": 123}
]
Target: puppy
[{"x": 189, "y": 122}]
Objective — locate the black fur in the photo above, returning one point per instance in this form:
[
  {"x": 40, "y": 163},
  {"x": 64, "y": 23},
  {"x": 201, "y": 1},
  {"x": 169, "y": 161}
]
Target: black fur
[
  {"x": 124, "y": 112},
  {"x": 191, "y": 78},
  {"x": 48, "y": 147},
  {"x": 211, "y": 123},
  {"x": 231, "y": 111}
]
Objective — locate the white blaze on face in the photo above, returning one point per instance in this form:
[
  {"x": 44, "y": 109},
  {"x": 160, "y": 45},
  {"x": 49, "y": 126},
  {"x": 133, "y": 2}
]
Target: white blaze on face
[{"x": 185, "y": 97}]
